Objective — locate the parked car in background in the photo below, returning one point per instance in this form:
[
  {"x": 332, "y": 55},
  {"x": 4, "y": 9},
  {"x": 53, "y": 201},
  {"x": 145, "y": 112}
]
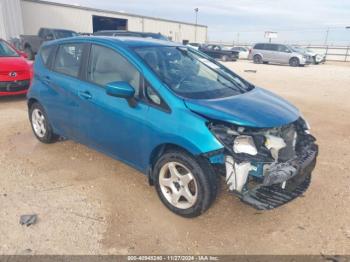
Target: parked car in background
[
  {"x": 277, "y": 53},
  {"x": 316, "y": 58},
  {"x": 117, "y": 33},
  {"x": 243, "y": 51},
  {"x": 219, "y": 52},
  {"x": 176, "y": 115},
  {"x": 31, "y": 43},
  {"x": 15, "y": 70},
  {"x": 194, "y": 45}
]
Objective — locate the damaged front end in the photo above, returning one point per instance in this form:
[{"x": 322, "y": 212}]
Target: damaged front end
[{"x": 266, "y": 167}]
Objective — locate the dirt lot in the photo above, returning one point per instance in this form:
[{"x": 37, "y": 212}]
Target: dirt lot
[{"x": 90, "y": 204}]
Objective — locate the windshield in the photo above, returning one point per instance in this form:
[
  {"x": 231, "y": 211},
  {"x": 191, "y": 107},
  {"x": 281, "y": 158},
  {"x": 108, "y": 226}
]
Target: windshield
[
  {"x": 191, "y": 74},
  {"x": 64, "y": 34},
  {"x": 6, "y": 50},
  {"x": 298, "y": 49}
]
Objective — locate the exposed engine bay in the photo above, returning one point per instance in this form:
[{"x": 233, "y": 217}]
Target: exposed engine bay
[{"x": 267, "y": 167}]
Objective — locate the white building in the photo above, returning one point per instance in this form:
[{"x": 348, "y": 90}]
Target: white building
[{"x": 27, "y": 16}]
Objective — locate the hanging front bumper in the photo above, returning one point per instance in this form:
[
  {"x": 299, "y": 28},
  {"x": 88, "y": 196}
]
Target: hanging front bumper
[{"x": 284, "y": 183}]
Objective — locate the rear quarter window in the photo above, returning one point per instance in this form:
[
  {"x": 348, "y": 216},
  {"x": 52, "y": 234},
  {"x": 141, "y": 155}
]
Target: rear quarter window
[
  {"x": 259, "y": 46},
  {"x": 46, "y": 53}
]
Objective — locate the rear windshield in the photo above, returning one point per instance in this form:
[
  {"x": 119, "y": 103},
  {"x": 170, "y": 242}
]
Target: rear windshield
[
  {"x": 64, "y": 34},
  {"x": 6, "y": 50},
  {"x": 191, "y": 74}
]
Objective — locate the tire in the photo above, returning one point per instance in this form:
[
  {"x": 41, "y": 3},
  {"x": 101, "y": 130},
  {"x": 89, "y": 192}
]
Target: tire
[
  {"x": 29, "y": 52},
  {"x": 257, "y": 59},
  {"x": 192, "y": 179},
  {"x": 225, "y": 58},
  {"x": 40, "y": 124},
  {"x": 294, "y": 61},
  {"x": 265, "y": 63}
]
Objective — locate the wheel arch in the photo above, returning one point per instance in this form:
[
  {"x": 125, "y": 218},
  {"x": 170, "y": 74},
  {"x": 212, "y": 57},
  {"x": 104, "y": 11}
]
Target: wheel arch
[
  {"x": 294, "y": 57},
  {"x": 258, "y": 54},
  {"x": 158, "y": 151},
  {"x": 31, "y": 101}
]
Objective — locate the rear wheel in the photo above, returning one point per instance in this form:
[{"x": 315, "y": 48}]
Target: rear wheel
[
  {"x": 294, "y": 62},
  {"x": 257, "y": 59},
  {"x": 186, "y": 185},
  {"x": 225, "y": 58},
  {"x": 40, "y": 124}
]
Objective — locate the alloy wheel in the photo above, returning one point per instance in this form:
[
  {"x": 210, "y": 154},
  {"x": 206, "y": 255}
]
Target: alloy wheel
[
  {"x": 178, "y": 185},
  {"x": 38, "y": 122}
]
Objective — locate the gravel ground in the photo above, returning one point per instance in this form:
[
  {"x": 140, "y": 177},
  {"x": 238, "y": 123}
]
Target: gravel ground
[{"x": 88, "y": 203}]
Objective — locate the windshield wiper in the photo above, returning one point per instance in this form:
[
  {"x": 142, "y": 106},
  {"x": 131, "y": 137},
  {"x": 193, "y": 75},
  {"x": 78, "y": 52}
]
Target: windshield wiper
[{"x": 235, "y": 87}]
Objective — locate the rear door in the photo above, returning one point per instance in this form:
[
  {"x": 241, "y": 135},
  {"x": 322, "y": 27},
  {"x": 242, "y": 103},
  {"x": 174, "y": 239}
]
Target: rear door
[{"x": 64, "y": 80}]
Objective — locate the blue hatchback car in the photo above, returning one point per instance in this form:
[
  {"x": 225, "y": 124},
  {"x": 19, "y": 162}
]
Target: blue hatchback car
[{"x": 175, "y": 114}]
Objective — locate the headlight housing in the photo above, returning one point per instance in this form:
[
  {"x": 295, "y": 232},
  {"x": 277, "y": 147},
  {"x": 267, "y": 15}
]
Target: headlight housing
[
  {"x": 304, "y": 123},
  {"x": 244, "y": 144}
]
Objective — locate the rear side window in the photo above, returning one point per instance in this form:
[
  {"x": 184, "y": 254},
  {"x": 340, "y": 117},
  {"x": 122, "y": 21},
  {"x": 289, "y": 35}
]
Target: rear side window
[
  {"x": 107, "y": 66},
  {"x": 68, "y": 59},
  {"x": 46, "y": 53}
]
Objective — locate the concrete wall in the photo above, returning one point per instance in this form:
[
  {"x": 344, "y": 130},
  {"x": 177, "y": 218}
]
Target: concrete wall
[
  {"x": 38, "y": 14},
  {"x": 11, "y": 24}
]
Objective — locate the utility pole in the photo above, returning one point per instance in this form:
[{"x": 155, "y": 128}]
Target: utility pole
[
  {"x": 347, "y": 50},
  {"x": 326, "y": 39},
  {"x": 195, "y": 29}
]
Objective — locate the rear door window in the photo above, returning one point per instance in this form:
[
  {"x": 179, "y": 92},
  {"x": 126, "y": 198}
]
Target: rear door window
[
  {"x": 46, "y": 53},
  {"x": 68, "y": 59}
]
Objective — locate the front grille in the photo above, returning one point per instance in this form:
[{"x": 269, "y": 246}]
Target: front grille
[
  {"x": 7, "y": 73},
  {"x": 14, "y": 86}
]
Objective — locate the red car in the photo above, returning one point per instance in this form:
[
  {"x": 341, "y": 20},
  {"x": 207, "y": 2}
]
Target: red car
[{"x": 15, "y": 71}]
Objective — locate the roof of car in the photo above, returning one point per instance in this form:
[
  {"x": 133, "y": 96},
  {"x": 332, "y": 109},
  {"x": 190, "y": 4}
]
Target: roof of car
[{"x": 124, "y": 41}]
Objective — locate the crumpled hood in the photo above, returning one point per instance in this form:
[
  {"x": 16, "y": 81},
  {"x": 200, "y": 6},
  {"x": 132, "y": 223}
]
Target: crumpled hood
[{"x": 256, "y": 108}]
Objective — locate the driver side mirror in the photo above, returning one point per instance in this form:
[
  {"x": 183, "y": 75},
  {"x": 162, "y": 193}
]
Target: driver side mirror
[
  {"x": 123, "y": 90},
  {"x": 120, "y": 89}
]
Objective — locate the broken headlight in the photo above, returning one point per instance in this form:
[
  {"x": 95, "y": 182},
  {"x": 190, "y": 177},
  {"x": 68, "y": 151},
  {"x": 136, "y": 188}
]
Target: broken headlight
[
  {"x": 304, "y": 124},
  {"x": 244, "y": 144}
]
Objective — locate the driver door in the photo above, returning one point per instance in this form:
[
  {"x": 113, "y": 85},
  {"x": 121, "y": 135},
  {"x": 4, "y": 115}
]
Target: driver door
[{"x": 109, "y": 123}]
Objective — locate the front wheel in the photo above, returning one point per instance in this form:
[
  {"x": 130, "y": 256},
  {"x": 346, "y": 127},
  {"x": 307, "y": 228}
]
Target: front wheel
[
  {"x": 294, "y": 62},
  {"x": 186, "y": 185},
  {"x": 40, "y": 124},
  {"x": 225, "y": 58}
]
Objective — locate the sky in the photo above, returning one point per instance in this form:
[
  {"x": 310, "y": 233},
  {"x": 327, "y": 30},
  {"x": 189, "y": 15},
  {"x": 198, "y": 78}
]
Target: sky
[{"x": 245, "y": 21}]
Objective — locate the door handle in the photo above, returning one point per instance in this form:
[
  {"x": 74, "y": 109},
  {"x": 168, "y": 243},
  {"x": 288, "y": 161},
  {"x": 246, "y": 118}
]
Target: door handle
[
  {"x": 85, "y": 95},
  {"x": 47, "y": 80}
]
